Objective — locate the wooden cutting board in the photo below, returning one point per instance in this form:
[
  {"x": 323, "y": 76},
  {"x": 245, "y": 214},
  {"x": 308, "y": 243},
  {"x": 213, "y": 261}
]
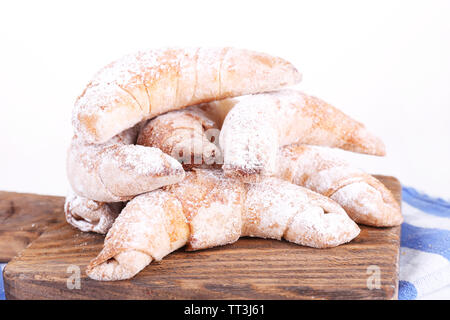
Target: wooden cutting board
[
  {"x": 248, "y": 269},
  {"x": 23, "y": 218}
]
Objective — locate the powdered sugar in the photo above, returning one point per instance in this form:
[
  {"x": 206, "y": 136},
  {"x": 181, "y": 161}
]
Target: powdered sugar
[
  {"x": 363, "y": 197},
  {"x": 259, "y": 124},
  {"x": 218, "y": 211},
  {"x": 118, "y": 170},
  {"x": 145, "y": 160},
  {"x": 147, "y": 83},
  {"x": 183, "y": 134},
  {"x": 89, "y": 215}
]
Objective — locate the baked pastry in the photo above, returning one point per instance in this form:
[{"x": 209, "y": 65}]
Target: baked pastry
[
  {"x": 265, "y": 140},
  {"x": 118, "y": 170},
  {"x": 365, "y": 199},
  {"x": 207, "y": 209},
  {"x": 142, "y": 85},
  {"x": 258, "y": 125},
  {"x": 90, "y": 215},
  {"x": 253, "y": 132},
  {"x": 190, "y": 135}
]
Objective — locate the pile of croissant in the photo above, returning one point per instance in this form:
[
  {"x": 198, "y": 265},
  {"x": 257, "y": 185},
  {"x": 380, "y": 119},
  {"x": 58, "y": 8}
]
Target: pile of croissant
[{"x": 198, "y": 147}]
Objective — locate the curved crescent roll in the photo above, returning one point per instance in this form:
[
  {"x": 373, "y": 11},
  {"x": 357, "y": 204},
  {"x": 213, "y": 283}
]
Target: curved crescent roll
[
  {"x": 118, "y": 170},
  {"x": 142, "y": 85},
  {"x": 207, "y": 209},
  {"x": 258, "y": 125},
  {"x": 186, "y": 135},
  {"x": 90, "y": 215},
  {"x": 365, "y": 199}
]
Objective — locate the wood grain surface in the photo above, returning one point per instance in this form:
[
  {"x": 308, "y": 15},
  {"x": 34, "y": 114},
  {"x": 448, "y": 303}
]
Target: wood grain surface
[
  {"x": 23, "y": 218},
  {"x": 248, "y": 269}
]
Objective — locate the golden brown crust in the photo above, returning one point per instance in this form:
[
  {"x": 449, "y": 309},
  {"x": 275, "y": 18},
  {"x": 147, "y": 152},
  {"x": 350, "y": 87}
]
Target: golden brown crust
[
  {"x": 90, "y": 215},
  {"x": 258, "y": 125},
  {"x": 185, "y": 135},
  {"x": 118, "y": 170},
  {"x": 301, "y": 164},
  {"x": 206, "y": 210},
  {"x": 152, "y": 224},
  {"x": 145, "y": 84},
  {"x": 364, "y": 198}
]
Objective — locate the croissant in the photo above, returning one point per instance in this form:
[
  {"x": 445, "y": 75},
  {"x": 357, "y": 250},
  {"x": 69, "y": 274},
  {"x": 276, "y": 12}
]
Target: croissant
[
  {"x": 258, "y": 125},
  {"x": 142, "y": 85},
  {"x": 118, "y": 170},
  {"x": 186, "y": 135},
  {"x": 90, "y": 215},
  {"x": 365, "y": 199},
  {"x": 208, "y": 209}
]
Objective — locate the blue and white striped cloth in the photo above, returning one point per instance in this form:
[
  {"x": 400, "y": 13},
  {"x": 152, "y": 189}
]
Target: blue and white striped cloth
[
  {"x": 425, "y": 247},
  {"x": 424, "y": 252}
]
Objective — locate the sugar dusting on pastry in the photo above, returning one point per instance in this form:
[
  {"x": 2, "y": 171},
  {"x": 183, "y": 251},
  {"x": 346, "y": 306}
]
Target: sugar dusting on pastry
[
  {"x": 118, "y": 170},
  {"x": 364, "y": 198},
  {"x": 89, "y": 215},
  {"x": 260, "y": 124},
  {"x": 147, "y": 83},
  {"x": 208, "y": 209}
]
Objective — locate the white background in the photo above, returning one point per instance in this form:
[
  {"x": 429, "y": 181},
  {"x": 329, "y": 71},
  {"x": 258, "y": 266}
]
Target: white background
[{"x": 385, "y": 63}]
